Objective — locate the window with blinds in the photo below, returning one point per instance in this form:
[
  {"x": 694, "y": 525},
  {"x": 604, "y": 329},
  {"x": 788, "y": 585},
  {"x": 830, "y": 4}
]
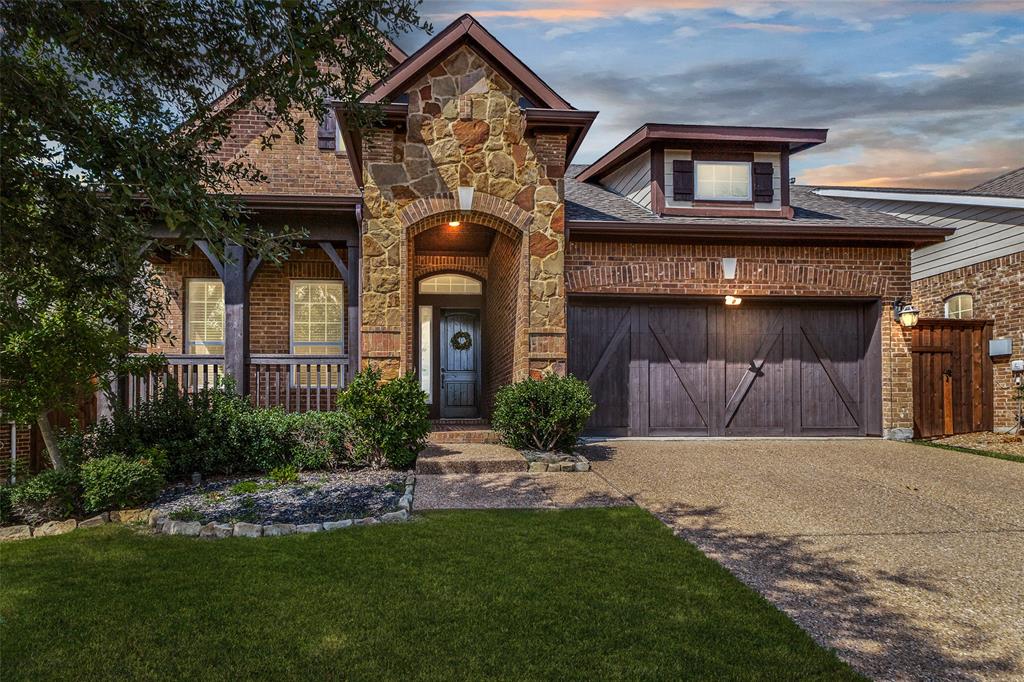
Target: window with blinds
[
  {"x": 204, "y": 317},
  {"x": 317, "y": 329}
]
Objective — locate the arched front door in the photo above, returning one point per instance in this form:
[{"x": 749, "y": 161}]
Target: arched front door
[{"x": 460, "y": 363}]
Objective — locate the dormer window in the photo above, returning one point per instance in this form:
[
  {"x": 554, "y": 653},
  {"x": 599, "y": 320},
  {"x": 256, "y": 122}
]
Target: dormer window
[{"x": 722, "y": 181}]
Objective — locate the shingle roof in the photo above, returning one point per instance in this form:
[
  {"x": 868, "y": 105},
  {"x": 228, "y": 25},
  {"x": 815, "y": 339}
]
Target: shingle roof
[
  {"x": 1009, "y": 184},
  {"x": 588, "y": 201}
]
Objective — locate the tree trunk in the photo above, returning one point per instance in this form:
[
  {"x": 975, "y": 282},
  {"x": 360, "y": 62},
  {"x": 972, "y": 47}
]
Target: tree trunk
[{"x": 46, "y": 430}]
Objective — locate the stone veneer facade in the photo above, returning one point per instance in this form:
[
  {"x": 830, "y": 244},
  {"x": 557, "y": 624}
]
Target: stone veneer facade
[
  {"x": 997, "y": 286},
  {"x": 465, "y": 128},
  {"x": 638, "y": 268}
]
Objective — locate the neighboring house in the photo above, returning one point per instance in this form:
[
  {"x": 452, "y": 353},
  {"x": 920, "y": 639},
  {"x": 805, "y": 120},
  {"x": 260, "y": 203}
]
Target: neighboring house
[
  {"x": 978, "y": 272},
  {"x": 680, "y": 274}
]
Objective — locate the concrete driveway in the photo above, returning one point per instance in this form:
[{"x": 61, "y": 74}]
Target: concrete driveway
[{"x": 907, "y": 560}]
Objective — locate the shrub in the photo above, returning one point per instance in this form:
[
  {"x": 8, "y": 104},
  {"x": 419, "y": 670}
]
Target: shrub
[
  {"x": 116, "y": 482},
  {"x": 48, "y": 496},
  {"x": 545, "y": 414},
  {"x": 318, "y": 441},
  {"x": 283, "y": 474},
  {"x": 386, "y": 423},
  {"x": 6, "y": 513}
]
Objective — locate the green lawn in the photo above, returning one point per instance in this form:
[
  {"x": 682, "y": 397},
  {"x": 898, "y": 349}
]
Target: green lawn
[{"x": 587, "y": 594}]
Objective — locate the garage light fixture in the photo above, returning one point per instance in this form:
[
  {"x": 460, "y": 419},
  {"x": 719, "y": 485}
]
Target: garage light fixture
[
  {"x": 733, "y": 300},
  {"x": 904, "y": 313}
]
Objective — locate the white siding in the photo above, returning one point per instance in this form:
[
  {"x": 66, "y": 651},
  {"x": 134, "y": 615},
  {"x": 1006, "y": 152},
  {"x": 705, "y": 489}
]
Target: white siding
[
  {"x": 685, "y": 155},
  {"x": 632, "y": 180},
  {"x": 982, "y": 232}
]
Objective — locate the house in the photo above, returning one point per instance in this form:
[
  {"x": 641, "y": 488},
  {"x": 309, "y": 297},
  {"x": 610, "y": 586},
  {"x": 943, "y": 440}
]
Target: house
[
  {"x": 976, "y": 273},
  {"x": 680, "y": 274}
]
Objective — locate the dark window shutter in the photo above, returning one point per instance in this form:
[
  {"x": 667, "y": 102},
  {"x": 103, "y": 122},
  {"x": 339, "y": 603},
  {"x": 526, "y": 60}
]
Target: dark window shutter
[
  {"x": 325, "y": 133},
  {"x": 763, "y": 173},
  {"x": 682, "y": 180}
]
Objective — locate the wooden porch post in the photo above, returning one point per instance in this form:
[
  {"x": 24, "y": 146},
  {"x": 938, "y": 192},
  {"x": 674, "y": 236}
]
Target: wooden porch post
[
  {"x": 354, "y": 268},
  {"x": 236, "y": 316}
]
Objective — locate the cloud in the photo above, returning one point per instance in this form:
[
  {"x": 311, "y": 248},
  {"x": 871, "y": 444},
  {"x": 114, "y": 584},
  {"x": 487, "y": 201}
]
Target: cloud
[
  {"x": 686, "y": 32},
  {"x": 957, "y": 167},
  {"x": 769, "y": 28},
  {"x": 968, "y": 39},
  {"x": 882, "y": 130}
]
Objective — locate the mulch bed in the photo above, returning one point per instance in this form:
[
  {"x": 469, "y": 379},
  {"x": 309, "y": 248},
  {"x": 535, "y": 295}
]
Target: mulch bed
[
  {"x": 1007, "y": 444},
  {"x": 316, "y": 497}
]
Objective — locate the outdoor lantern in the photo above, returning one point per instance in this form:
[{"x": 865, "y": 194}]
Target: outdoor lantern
[{"x": 904, "y": 313}]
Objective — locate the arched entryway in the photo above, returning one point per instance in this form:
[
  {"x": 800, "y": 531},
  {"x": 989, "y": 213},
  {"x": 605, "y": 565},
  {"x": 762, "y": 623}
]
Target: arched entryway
[{"x": 466, "y": 279}]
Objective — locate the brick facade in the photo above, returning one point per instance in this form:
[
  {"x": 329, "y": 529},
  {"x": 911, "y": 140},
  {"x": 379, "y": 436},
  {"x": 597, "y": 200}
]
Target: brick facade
[
  {"x": 646, "y": 268},
  {"x": 269, "y": 297},
  {"x": 998, "y": 289}
]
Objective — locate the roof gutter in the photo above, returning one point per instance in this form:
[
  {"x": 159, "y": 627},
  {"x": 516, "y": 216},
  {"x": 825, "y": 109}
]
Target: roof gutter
[
  {"x": 915, "y": 236},
  {"x": 924, "y": 197}
]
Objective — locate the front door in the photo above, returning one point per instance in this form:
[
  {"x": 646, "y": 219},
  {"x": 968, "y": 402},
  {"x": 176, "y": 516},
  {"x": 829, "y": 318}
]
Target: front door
[{"x": 460, "y": 363}]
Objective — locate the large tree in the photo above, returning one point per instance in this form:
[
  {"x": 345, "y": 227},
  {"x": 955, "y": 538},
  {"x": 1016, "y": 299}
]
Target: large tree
[{"x": 111, "y": 116}]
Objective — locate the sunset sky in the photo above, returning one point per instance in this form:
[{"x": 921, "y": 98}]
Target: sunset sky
[{"x": 916, "y": 93}]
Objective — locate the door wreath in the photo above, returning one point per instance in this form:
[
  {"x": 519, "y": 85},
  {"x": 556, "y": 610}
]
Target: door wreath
[{"x": 461, "y": 341}]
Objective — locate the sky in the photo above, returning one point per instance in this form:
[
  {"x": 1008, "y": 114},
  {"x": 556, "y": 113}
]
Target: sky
[{"x": 915, "y": 93}]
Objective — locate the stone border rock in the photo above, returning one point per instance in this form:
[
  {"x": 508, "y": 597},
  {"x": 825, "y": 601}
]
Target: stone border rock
[
  {"x": 553, "y": 461},
  {"x": 162, "y": 524}
]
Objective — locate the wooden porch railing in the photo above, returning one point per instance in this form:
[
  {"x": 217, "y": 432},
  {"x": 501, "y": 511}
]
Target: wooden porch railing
[{"x": 296, "y": 383}]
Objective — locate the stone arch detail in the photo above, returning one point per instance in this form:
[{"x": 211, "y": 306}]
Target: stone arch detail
[{"x": 488, "y": 210}]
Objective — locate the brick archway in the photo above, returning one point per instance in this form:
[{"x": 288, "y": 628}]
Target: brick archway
[{"x": 488, "y": 210}]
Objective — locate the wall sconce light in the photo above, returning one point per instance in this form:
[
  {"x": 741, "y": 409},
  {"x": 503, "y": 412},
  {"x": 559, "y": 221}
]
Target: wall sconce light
[
  {"x": 904, "y": 313},
  {"x": 733, "y": 300},
  {"x": 729, "y": 268}
]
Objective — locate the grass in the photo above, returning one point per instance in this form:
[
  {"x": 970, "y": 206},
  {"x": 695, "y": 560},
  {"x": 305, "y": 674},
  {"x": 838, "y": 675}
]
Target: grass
[
  {"x": 580, "y": 594},
  {"x": 972, "y": 451}
]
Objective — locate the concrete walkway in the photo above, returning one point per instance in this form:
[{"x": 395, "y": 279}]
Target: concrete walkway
[
  {"x": 908, "y": 560},
  {"x": 515, "y": 491}
]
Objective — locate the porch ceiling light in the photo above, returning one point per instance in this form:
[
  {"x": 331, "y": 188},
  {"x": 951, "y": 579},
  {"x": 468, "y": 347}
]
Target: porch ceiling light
[
  {"x": 733, "y": 300},
  {"x": 904, "y": 313},
  {"x": 453, "y": 223}
]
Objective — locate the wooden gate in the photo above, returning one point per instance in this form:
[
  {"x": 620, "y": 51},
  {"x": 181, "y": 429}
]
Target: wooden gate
[{"x": 952, "y": 377}]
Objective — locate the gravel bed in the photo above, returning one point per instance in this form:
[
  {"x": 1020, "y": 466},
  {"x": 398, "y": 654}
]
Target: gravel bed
[
  {"x": 316, "y": 497},
  {"x": 1007, "y": 444}
]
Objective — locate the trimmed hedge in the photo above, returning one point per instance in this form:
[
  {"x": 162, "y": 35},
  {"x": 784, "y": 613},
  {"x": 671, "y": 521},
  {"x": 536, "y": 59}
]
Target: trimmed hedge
[
  {"x": 116, "y": 482},
  {"x": 543, "y": 414}
]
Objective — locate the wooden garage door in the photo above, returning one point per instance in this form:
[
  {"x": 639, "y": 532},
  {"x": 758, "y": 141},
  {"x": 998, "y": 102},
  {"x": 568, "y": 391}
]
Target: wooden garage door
[{"x": 790, "y": 369}]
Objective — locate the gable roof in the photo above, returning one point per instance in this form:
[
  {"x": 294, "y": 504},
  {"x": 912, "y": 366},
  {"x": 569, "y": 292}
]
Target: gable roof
[
  {"x": 591, "y": 208},
  {"x": 465, "y": 30},
  {"x": 1009, "y": 184},
  {"x": 797, "y": 139}
]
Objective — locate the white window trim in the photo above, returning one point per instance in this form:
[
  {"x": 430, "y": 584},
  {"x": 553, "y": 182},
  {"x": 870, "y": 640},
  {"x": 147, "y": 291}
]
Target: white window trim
[
  {"x": 292, "y": 343},
  {"x": 945, "y": 306},
  {"x": 425, "y": 321},
  {"x": 190, "y": 345},
  {"x": 703, "y": 197}
]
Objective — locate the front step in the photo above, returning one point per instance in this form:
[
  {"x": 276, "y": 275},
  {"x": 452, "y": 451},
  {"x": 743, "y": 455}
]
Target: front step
[
  {"x": 462, "y": 431},
  {"x": 468, "y": 436},
  {"x": 469, "y": 458}
]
